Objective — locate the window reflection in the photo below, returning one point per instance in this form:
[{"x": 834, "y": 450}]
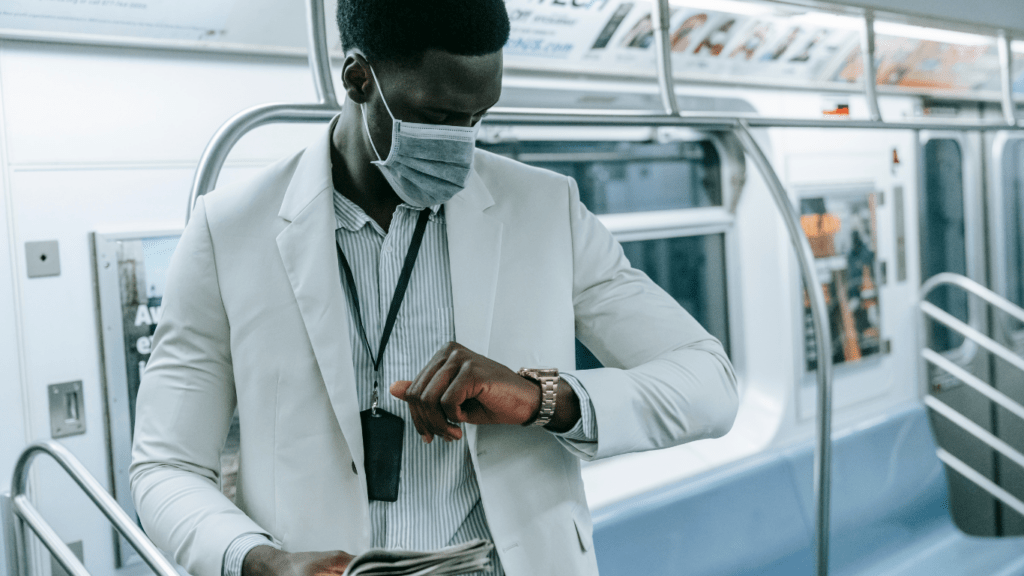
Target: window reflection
[
  {"x": 691, "y": 270},
  {"x": 616, "y": 177},
  {"x": 943, "y": 246}
]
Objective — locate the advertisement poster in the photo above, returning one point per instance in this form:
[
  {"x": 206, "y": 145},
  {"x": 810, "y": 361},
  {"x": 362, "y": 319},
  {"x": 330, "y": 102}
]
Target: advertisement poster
[
  {"x": 142, "y": 271},
  {"x": 164, "y": 19},
  {"x": 618, "y": 37},
  {"x": 842, "y": 232}
]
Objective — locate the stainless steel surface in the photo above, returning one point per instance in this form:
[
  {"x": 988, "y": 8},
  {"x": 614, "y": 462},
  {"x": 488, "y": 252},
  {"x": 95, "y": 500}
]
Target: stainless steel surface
[
  {"x": 973, "y": 429},
  {"x": 56, "y": 569},
  {"x": 230, "y": 133},
  {"x": 713, "y": 121},
  {"x": 42, "y": 259},
  {"x": 950, "y": 321},
  {"x": 822, "y": 342},
  {"x": 867, "y": 52},
  {"x": 973, "y": 381},
  {"x": 30, "y": 516},
  {"x": 973, "y": 287},
  {"x": 212, "y": 160},
  {"x": 67, "y": 409},
  {"x": 7, "y": 535},
  {"x": 1006, "y": 78},
  {"x": 663, "y": 48},
  {"x": 319, "y": 57},
  {"x": 982, "y": 482},
  {"x": 899, "y": 219},
  {"x": 27, "y": 514}
]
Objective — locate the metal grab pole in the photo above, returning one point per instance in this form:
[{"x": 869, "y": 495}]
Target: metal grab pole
[
  {"x": 867, "y": 51},
  {"x": 224, "y": 140},
  {"x": 660, "y": 16},
  {"x": 26, "y": 513},
  {"x": 822, "y": 342},
  {"x": 1006, "y": 77},
  {"x": 319, "y": 58}
]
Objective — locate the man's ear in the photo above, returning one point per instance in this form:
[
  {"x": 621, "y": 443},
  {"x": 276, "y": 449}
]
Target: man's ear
[{"x": 356, "y": 78}]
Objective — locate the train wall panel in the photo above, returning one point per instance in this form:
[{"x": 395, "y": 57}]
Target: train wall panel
[{"x": 102, "y": 140}]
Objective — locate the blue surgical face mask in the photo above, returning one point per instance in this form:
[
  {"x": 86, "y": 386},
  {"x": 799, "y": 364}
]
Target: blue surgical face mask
[{"x": 428, "y": 163}]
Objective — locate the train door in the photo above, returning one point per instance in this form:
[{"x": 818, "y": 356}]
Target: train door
[
  {"x": 951, "y": 230},
  {"x": 1006, "y": 257}
]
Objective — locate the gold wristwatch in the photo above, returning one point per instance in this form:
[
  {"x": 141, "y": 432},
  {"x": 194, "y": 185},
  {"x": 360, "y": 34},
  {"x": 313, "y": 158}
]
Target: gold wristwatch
[{"x": 547, "y": 378}]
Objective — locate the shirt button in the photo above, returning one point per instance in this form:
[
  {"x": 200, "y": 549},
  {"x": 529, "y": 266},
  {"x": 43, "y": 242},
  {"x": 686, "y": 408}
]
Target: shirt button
[{"x": 354, "y": 471}]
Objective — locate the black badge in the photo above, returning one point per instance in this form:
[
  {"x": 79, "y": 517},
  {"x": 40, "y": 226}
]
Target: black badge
[{"x": 382, "y": 447}]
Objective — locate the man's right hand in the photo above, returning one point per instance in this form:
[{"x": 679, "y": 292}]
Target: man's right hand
[{"x": 269, "y": 561}]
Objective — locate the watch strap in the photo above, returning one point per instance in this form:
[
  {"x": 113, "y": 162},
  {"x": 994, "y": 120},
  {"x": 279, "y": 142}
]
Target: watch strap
[{"x": 547, "y": 379}]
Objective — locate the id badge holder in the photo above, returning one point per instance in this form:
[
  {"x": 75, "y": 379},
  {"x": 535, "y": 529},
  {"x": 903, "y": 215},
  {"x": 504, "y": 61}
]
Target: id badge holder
[{"x": 383, "y": 433}]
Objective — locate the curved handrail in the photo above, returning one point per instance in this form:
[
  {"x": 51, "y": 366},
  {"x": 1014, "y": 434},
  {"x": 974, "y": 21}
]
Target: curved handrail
[
  {"x": 241, "y": 124},
  {"x": 23, "y": 509},
  {"x": 972, "y": 287},
  {"x": 325, "y": 108}
]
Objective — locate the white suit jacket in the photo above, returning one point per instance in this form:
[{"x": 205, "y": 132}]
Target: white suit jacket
[{"x": 254, "y": 315}]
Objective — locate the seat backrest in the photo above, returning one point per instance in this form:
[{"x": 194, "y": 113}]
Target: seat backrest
[{"x": 888, "y": 488}]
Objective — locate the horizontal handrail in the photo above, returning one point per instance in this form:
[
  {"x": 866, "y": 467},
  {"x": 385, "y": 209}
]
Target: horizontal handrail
[
  {"x": 973, "y": 381},
  {"x": 974, "y": 429},
  {"x": 973, "y": 287},
  {"x": 26, "y": 512},
  {"x": 954, "y": 323},
  {"x": 982, "y": 482}
]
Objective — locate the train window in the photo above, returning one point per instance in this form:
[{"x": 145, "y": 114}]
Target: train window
[
  {"x": 942, "y": 233},
  {"x": 617, "y": 177},
  {"x": 842, "y": 231},
  {"x": 1013, "y": 198},
  {"x": 692, "y": 270}
]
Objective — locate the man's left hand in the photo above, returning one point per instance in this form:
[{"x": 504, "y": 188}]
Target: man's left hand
[{"x": 459, "y": 385}]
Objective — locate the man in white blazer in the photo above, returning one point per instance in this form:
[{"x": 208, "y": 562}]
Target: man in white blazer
[{"x": 257, "y": 316}]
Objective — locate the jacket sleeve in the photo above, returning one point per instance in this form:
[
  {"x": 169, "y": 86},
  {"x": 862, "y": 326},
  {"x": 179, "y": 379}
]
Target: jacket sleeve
[
  {"x": 667, "y": 381},
  {"x": 184, "y": 408}
]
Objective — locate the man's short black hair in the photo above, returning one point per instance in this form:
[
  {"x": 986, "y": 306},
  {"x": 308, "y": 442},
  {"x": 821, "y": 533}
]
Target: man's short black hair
[{"x": 402, "y": 30}]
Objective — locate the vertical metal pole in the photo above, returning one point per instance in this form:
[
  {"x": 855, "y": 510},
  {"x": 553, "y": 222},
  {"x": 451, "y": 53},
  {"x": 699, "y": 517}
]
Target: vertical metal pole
[
  {"x": 867, "y": 51},
  {"x": 822, "y": 342},
  {"x": 319, "y": 58},
  {"x": 1006, "y": 75},
  {"x": 660, "y": 20}
]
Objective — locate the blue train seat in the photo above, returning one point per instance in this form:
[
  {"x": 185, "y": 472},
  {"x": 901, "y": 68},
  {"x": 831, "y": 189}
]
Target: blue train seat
[{"x": 890, "y": 515}]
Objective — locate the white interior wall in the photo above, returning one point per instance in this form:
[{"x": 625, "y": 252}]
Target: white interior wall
[{"x": 103, "y": 140}]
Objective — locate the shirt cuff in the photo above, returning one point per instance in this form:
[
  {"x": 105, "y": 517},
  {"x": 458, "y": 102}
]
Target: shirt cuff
[
  {"x": 239, "y": 547},
  {"x": 585, "y": 430}
]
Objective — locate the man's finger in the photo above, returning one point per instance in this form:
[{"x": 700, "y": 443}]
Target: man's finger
[
  {"x": 436, "y": 417},
  {"x": 399, "y": 388}
]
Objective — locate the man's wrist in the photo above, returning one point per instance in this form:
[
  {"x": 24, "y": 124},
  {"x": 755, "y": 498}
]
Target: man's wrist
[
  {"x": 567, "y": 408},
  {"x": 262, "y": 560}
]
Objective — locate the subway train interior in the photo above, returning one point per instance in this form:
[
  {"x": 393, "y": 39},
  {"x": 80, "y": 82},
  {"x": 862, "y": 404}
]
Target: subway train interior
[{"x": 856, "y": 245}]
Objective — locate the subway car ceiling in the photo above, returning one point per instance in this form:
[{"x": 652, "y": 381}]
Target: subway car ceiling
[{"x": 136, "y": 102}]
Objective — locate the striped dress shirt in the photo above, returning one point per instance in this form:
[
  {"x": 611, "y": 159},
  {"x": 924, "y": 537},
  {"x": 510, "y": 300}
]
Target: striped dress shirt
[{"x": 438, "y": 500}]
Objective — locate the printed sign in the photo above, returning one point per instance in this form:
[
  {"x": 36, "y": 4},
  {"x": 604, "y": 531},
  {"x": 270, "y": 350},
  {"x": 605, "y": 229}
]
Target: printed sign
[{"x": 166, "y": 19}]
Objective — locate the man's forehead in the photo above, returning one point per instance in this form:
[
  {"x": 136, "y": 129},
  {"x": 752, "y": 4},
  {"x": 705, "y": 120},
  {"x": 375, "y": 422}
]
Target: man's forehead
[{"x": 453, "y": 82}]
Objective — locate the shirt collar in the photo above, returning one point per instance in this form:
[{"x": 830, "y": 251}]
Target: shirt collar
[{"x": 348, "y": 214}]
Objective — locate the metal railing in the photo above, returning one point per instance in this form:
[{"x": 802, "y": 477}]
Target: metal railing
[
  {"x": 21, "y": 513},
  {"x": 327, "y": 107},
  {"x": 933, "y": 358}
]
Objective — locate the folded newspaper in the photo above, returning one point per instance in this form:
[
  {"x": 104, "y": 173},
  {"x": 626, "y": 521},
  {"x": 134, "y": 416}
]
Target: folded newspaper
[{"x": 460, "y": 559}]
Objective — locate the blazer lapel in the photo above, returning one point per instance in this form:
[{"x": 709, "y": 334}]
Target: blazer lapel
[
  {"x": 474, "y": 254},
  {"x": 309, "y": 253}
]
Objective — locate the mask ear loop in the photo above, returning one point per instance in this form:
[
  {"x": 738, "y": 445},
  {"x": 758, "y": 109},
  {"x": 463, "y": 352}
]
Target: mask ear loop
[{"x": 362, "y": 110}]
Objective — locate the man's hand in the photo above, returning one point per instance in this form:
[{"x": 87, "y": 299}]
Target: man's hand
[
  {"x": 459, "y": 385},
  {"x": 269, "y": 561}
]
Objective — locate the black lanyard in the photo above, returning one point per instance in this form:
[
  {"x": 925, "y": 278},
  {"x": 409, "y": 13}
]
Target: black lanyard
[{"x": 396, "y": 300}]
